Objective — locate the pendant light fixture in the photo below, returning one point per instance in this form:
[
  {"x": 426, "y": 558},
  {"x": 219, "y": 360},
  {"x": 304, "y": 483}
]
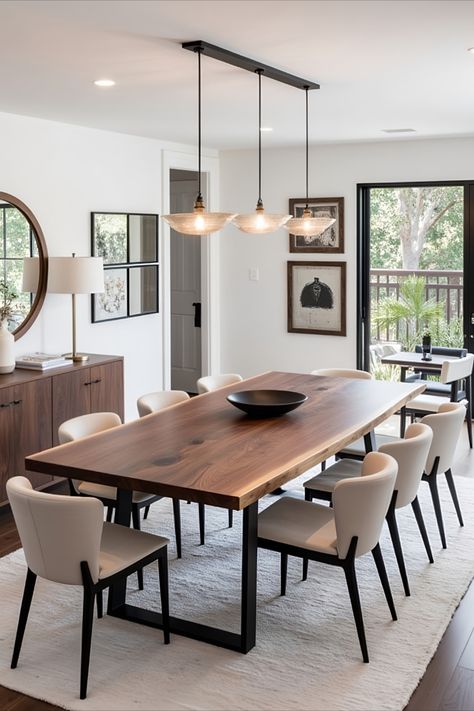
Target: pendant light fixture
[
  {"x": 198, "y": 222},
  {"x": 307, "y": 225},
  {"x": 259, "y": 222}
]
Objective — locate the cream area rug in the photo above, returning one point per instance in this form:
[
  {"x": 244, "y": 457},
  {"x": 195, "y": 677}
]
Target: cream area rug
[{"x": 307, "y": 654}]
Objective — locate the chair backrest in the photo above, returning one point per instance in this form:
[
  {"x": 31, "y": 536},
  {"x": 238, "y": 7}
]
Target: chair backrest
[
  {"x": 214, "y": 382},
  {"x": 411, "y": 454},
  {"x": 361, "y": 503},
  {"x": 444, "y": 350},
  {"x": 57, "y": 532},
  {"x": 453, "y": 370},
  {"x": 86, "y": 425},
  {"x": 343, "y": 373},
  {"x": 446, "y": 425},
  {"x": 153, "y": 402}
]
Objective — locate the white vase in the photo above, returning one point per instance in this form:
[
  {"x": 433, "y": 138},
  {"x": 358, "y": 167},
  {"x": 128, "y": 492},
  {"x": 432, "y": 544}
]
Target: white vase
[{"x": 7, "y": 349}]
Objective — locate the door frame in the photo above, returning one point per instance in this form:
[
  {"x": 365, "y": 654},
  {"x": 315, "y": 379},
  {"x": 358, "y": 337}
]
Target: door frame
[
  {"x": 210, "y": 282},
  {"x": 363, "y": 259}
]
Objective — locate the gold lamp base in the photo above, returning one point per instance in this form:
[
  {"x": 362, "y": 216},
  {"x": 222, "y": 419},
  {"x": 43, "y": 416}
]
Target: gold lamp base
[{"x": 77, "y": 357}]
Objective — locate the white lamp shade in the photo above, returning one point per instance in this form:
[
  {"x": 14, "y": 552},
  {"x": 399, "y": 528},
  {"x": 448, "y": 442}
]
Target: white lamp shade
[
  {"x": 30, "y": 274},
  {"x": 76, "y": 275}
]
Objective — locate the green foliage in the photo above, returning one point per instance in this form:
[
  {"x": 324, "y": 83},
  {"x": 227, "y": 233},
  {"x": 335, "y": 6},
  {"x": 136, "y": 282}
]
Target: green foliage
[
  {"x": 443, "y": 247},
  {"x": 8, "y": 296},
  {"x": 17, "y": 242},
  {"x": 450, "y": 335},
  {"x": 111, "y": 237},
  {"x": 412, "y": 312}
]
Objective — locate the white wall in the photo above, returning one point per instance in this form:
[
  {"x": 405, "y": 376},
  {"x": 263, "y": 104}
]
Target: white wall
[
  {"x": 253, "y": 313},
  {"x": 62, "y": 173}
]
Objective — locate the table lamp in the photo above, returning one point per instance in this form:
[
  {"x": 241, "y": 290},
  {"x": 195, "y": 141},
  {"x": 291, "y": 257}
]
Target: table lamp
[{"x": 68, "y": 275}]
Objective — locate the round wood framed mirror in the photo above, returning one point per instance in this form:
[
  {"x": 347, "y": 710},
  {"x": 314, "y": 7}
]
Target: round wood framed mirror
[{"x": 20, "y": 237}]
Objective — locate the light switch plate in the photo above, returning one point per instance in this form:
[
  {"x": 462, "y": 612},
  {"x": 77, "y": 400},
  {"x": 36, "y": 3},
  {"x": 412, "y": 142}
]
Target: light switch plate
[{"x": 254, "y": 274}]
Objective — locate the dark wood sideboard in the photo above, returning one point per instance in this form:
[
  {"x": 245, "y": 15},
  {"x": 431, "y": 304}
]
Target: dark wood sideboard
[{"x": 33, "y": 405}]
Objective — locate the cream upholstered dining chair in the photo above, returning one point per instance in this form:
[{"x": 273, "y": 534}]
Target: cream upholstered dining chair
[
  {"x": 85, "y": 425},
  {"x": 154, "y": 402},
  {"x": 65, "y": 540},
  {"x": 453, "y": 373},
  {"x": 208, "y": 384},
  {"x": 410, "y": 454},
  {"x": 338, "y": 535},
  {"x": 446, "y": 425},
  {"x": 214, "y": 382}
]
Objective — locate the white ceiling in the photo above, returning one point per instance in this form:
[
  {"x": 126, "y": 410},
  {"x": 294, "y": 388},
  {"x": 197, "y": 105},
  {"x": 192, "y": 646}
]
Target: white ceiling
[{"x": 381, "y": 65}]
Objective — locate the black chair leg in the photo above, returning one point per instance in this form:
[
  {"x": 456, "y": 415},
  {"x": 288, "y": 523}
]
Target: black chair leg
[
  {"x": 202, "y": 524},
  {"x": 454, "y": 496},
  {"x": 283, "y": 572},
  {"x": 145, "y": 513},
  {"x": 469, "y": 423},
  {"x": 403, "y": 421},
  {"x": 397, "y": 546},
  {"x": 110, "y": 511},
  {"x": 137, "y": 527},
  {"x": 231, "y": 518},
  {"x": 432, "y": 481},
  {"x": 351, "y": 579},
  {"x": 24, "y": 610},
  {"x": 177, "y": 525},
  {"x": 378, "y": 558},
  {"x": 415, "y": 504},
  {"x": 323, "y": 465},
  {"x": 100, "y": 604},
  {"x": 308, "y": 495},
  {"x": 305, "y": 568},
  {"x": 164, "y": 594},
  {"x": 87, "y": 621}
]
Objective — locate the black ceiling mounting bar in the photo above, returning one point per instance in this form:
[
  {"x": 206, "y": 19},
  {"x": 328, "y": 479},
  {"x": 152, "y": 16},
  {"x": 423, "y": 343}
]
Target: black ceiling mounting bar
[{"x": 251, "y": 65}]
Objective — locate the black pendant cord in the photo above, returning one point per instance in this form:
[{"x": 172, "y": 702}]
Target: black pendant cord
[
  {"x": 259, "y": 202},
  {"x": 199, "y": 197},
  {"x": 307, "y": 150}
]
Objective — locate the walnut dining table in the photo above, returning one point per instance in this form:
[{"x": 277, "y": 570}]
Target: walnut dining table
[{"x": 205, "y": 450}]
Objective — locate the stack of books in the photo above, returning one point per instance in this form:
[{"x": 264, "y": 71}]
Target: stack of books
[{"x": 41, "y": 361}]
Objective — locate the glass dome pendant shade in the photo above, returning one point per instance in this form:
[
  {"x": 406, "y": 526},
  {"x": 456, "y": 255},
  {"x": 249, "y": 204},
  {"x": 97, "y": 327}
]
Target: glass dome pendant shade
[
  {"x": 307, "y": 225},
  {"x": 198, "y": 222},
  {"x": 259, "y": 222}
]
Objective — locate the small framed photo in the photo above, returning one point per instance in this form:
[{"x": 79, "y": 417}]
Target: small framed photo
[
  {"x": 331, "y": 241},
  {"x": 112, "y": 304},
  {"x": 317, "y": 298},
  {"x": 142, "y": 290}
]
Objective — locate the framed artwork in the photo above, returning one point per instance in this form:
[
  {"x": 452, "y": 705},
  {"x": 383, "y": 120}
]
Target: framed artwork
[
  {"x": 124, "y": 238},
  {"x": 317, "y": 298},
  {"x": 331, "y": 241},
  {"x": 113, "y": 302}
]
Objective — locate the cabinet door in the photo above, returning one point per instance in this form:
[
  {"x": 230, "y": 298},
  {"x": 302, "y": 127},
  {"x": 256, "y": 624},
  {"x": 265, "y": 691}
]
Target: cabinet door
[
  {"x": 107, "y": 388},
  {"x": 7, "y": 439},
  {"x": 32, "y": 412},
  {"x": 71, "y": 397}
]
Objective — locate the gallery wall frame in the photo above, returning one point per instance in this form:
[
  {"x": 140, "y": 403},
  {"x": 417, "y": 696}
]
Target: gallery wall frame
[
  {"x": 317, "y": 297},
  {"x": 332, "y": 240}
]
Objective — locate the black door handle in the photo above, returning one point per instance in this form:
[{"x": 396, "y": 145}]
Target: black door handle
[{"x": 197, "y": 314}]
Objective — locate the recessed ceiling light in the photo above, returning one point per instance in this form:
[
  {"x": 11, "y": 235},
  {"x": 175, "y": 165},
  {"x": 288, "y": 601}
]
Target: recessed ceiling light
[
  {"x": 104, "y": 82},
  {"x": 266, "y": 128},
  {"x": 471, "y": 50},
  {"x": 398, "y": 130}
]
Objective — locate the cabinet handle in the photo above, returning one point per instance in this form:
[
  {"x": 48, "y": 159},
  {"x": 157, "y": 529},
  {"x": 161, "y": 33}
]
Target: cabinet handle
[
  {"x": 16, "y": 402},
  {"x": 5, "y": 404},
  {"x": 92, "y": 382}
]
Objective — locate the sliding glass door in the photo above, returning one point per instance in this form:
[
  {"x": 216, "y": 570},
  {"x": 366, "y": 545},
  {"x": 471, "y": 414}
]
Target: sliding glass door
[{"x": 415, "y": 255}]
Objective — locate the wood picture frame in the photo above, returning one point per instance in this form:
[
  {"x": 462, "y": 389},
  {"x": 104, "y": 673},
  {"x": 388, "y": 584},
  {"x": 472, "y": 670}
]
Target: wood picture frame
[
  {"x": 332, "y": 240},
  {"x": 317, "y": 298}
]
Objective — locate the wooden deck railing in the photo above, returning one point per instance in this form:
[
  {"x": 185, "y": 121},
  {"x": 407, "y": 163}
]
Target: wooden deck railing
[{"x": 443, "y": 286}]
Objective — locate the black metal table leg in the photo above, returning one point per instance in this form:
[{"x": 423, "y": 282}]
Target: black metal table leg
[
  {"x": 123, "y": 512},
  {"x": 248, "y": 614},
  {"x": 370, "y": 441}
]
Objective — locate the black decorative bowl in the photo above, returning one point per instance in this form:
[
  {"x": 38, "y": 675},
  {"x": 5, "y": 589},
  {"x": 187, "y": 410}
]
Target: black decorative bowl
[{"x": 266, "y": 403}]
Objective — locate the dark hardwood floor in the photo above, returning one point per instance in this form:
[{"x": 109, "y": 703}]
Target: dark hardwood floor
[{"x": 448, "y": 683}]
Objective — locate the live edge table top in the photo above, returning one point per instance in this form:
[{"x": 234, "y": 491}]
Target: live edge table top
[{"x": 206, "y": 450}]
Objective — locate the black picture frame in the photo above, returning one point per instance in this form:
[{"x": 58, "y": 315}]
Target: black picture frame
[
  {"x": 122, "y": 238},
  {"x": 317, "y": 298},
  {"x": 332, "y": 239}
]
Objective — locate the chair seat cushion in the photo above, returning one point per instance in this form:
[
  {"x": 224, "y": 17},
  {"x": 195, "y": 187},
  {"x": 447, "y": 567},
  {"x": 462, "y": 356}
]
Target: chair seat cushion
[
  {"x": 327, "y": 480},
  {"x": 299, "y": 523},
  {"x": 357, "y": 448},
  {"x": 428, "y": 403},
  {"x": 433, "y": 387},
  {"x": 121, "y": 546},
  {"x": 101, "y": 491}
]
